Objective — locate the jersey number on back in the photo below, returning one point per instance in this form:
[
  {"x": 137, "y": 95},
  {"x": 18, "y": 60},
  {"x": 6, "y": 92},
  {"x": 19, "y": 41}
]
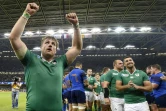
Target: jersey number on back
[{"x": 75, "y": 77}]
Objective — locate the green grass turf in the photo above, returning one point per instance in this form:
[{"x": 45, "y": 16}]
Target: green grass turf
[{"x": 6, "y": 102}]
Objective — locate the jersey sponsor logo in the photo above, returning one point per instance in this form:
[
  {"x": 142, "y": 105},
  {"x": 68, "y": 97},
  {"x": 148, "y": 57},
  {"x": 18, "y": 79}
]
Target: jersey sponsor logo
[
  {"x": 125, "y": 75},
  {"x": 137, "y": 74},
  {"x": 131, "y": 77},
  {"x": 115, "y": 73}
]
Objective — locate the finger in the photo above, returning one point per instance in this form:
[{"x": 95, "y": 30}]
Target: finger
[
  {"x": 33, "y": 6},
  {"x": 69, "y": 15},
  {"x": 74, "y": 14},
  {"x": 70, "y": 19}
]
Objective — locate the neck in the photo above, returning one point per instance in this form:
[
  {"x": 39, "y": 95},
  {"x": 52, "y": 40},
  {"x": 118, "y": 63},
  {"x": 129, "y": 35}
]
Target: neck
[
  {"x": 157, "y": 72},
  {"x": 77, "y": 67},
  {"x": 131, "y": 70},
  {"x": 117, "y": 69},
  {"x": 88, "y": 75},
  {"x": 48, "y": 58}
]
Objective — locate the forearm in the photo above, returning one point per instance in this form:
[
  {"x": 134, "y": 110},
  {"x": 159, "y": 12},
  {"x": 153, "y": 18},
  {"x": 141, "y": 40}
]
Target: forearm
[
  {"x": 18, "y": 28},
  {"x": 77, "y": 39},
  {"x": 145, "y": 88},
  {"x": 122, "y": 87}
]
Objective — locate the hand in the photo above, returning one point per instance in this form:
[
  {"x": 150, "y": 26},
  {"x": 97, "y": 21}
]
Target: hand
[
  {"x": 135, "y": 86},
  {"x": 96, "y": 94},
  {"x": 66, "y": 100},
  {"x": 32, "y": 8},
  {"x": 72, "y": 18},
  {"x": 90, "y": 87},
  {"x": 107, "y": 101},
  {"x": 130, "y": 84},
  {"x": 163, "y": 78}
]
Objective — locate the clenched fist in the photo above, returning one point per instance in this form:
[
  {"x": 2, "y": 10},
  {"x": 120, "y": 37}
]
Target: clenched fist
[
  {"x": 32, "y": 8},
  {"x": 72, "y": 18}
]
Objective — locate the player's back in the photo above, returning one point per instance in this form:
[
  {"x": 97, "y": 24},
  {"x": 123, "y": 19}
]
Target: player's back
[
  {"x": 77, "y": 77},
  {"x": 66, "y": 81}
]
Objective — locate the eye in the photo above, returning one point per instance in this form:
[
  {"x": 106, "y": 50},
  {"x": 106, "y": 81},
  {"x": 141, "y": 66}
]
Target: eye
[
  {"x": 46, "y": 42},
  {"x": 53, "y": 43}
]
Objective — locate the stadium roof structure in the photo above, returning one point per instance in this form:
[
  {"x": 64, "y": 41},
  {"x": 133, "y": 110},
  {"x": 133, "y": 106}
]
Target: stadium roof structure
[{"x": 106, "y": 15}]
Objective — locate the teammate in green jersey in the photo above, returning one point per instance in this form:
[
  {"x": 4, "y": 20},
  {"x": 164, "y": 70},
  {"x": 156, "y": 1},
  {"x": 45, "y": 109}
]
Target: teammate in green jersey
[
  {"x": 116, "y": 97},
  {"x": 105, "y": 107},
  {"x": 97, "y": 93},
  {"x": 43, "y": 74},
  {"x": 134, "y": 83},
  {"x": 89, "y": 90}
]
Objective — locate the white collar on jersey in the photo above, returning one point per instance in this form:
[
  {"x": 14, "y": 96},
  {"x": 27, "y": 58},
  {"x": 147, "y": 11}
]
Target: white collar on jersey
[
  {"x": 44, "y": 60},
  {"x": 133, "y": 72}
]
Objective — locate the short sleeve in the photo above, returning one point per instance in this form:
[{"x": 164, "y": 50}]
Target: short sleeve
[
  {"x": 84, "y": 75},
  {"x": 64, "y": 61},
  {"x": 119, "y": 77},
  {"x": 27, "y": 58},
  {"x": 145, "y": 76},
  {"x": 108, "y": 77},
  {"x": 156, "y": 78},
  {"x": 94, "y": 80}
]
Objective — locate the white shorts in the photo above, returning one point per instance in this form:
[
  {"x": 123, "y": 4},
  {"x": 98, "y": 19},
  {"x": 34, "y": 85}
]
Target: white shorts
[
  {"x": 89, "y": 96},
  {"x": 117, "y": 104},
  {"x": 96, "y": 97},
  {"x": 102, "y": 98},
  {"x": 137, "y": 107}
]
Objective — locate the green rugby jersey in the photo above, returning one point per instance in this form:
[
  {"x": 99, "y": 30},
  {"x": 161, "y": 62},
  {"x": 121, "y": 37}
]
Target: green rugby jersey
[
  {"x": 98, "y": 89},
  {"x": 92, "y": 82},
  {"x": 111, "y": 78},
  {"x": 43, "y": 82},
  {"x": 102, "y": 80},
  {"x": 132, "y": 95}
]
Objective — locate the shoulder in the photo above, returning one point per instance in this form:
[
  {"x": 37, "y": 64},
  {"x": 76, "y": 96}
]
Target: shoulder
[
  {"x": 159, "y": 74},
  {"x": 123, "y": 71},
  {"x": 110, "y": 72},
  {"x": 62, "y": 57},
  {"x": 141, "y": 72}
]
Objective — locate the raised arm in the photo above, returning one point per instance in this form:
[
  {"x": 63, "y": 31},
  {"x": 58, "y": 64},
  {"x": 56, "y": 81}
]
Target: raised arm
[
  {"x": 17, "y": 44},
  {"x": 77, "y": 43}
]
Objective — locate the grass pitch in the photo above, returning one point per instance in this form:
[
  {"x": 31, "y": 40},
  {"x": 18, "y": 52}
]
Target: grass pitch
[{"x": 6, "y": 101}]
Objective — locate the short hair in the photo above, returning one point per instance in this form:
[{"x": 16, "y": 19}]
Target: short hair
[
  {"x": 65, "y": 73},
  {"x": 89, "y": 69},
  {"x": 52, "y": 38},
  {"x": 126, "y": 58},
  {"x": 157, "y": 66},
  {"x": 78, "y": 63},
  {"x": 105, "y": 69},
  {"x": 97, "y": 73},
  {"x": 115, "y": 61},
  {"x": 149, "y": 67}
]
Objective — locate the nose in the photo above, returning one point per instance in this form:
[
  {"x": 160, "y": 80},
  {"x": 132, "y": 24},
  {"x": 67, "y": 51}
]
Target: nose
[{"x": 50, "y": 45}]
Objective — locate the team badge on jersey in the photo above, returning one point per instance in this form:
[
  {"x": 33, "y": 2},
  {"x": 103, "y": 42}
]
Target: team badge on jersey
[
  {"x": 131, "y": 77},
  {"x": 137, "y": 74},
  {"x": 125, "y": 75},
  {"x": 115, "y": 73}
]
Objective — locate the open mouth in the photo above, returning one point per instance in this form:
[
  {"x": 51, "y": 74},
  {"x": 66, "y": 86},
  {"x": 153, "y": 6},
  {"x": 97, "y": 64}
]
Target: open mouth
[{"x": 49, "y": 49}]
